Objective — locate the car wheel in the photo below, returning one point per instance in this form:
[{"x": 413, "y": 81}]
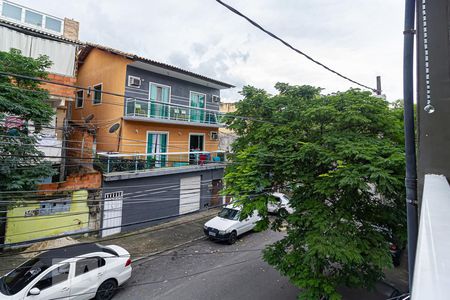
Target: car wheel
[
  {"x": 233, "y": 238},
  {"x": 283, "y": 213},
  {"x": 106, "y": 290}
]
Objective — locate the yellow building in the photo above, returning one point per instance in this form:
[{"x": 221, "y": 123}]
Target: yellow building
[{"x": 48, "y": 218}]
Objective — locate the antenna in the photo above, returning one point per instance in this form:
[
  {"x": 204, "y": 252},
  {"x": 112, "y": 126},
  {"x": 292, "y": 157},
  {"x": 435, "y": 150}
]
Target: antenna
[
  {"x": 114, "y": 128},
  {"x": 88, "y": 118}
]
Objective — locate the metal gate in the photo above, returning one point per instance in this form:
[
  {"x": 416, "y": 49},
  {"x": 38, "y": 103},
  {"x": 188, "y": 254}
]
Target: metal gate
[
  {"x": 190, "y": 194},
  {"x": 112, "y": 213}
]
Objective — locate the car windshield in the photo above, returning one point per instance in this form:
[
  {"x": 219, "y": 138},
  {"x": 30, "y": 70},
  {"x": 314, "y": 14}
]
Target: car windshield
[
  {"x": 229, "y": 213},
  {"x": 17, "y": 279}
]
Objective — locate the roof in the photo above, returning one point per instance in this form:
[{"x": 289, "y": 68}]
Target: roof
[
  {"x": 37, "y": 33},
  {"x": 89, "y": 46},
  {"x": 73, "y": 251}
]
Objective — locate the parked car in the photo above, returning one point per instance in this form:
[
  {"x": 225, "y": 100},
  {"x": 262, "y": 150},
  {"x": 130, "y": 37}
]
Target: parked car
[
  {"x": 279, "y": 205},
  {"x": 394, "y": 248},
  {"x": 81, "y": 271},
  {"x": 227, "y": 226}
]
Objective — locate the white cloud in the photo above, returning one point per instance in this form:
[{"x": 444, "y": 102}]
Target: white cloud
[{"x": 359, "y": 39}]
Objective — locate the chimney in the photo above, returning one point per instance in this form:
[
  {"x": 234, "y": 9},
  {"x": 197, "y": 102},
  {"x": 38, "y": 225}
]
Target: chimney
[{"x": 71, "y": 28}]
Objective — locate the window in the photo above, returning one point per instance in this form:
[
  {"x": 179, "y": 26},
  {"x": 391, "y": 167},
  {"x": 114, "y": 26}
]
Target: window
[
  {"x": 196, "y": 142},
  {"x": 197, "y": 100},
  {"x": 89, "y": 264},
  {"x": 19, "y": 278},
  {"x": 159, "y": 93},
  {"x": 33, "y": 18},
  {"x": 11, "y": 11},
  {"x": 58, "y": 275},
  {"x": 97, "y": 94},
  {"x": 53, "y": 24},
  {"x": 79, "y": 99}
]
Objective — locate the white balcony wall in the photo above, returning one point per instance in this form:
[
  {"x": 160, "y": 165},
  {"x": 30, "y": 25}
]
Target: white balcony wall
[
  {"x": 61, "y": 54},
  {"x": 432, "y": 270}
]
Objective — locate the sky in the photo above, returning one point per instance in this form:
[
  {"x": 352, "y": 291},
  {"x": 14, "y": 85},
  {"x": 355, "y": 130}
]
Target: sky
[{"x": 360, "y": 39}]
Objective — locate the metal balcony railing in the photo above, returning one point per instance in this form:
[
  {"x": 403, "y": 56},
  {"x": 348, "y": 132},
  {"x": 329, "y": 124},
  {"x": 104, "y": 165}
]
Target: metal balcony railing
[
  {"x": 135, "y": 162},
  {"x": 149, "y": 109}
]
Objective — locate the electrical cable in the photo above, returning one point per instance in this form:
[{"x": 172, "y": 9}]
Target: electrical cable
[
  {"x": 177, "y": 205},
  {"x": 166, "y": 280},
  {"x": 111, "y": 238},
  {"x": 235, "y": 11},
  {"x": 34, "y": 241},
  {"x": 42, "y": 256},
  {"x": 7, "y": 74}
]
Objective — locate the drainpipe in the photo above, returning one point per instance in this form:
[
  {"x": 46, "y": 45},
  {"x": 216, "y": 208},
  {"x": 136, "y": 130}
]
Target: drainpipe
[{"x": 410, "y": 147}]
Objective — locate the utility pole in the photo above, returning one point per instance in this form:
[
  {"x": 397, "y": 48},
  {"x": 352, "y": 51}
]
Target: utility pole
[{"x": 379, "y": 85}]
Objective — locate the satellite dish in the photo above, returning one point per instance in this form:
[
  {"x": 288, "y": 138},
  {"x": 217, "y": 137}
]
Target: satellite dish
[
  {"x": 88, "y": 118},
  {"x": 114, "y": 128}
]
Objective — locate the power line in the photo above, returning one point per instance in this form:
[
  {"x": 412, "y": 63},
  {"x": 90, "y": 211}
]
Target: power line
[
  {"x": 136, "y": 98},
  {"x": 145, "y": 253},
  {"x": 292, "y": 47},
  {"x": 34, "y": 241},
  {"x": 112, "y": 238},
  {"x": 176, "y": 205},
  {"x": 168, "y": 279}
]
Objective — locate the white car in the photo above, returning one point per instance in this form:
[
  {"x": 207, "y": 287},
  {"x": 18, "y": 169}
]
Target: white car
[
  {"x": 80, "y": 271},
  {"x": 280, "y": 204},
  {"x": 227, "y": 227}
]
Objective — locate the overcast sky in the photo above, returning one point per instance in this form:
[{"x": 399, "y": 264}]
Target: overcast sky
[{"x": 361, "y": 39}]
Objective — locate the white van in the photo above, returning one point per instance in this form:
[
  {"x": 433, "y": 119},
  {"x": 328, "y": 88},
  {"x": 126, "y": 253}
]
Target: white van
[{"x": 227, "y": 227}]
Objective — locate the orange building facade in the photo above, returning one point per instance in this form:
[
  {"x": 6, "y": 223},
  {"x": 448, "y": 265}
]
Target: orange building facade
[{"x": 141, "y": 107}]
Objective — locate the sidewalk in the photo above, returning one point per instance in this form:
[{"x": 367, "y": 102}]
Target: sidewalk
[
  {"x": 141, "y": 243},
  {"x": 159, "y": 238}
]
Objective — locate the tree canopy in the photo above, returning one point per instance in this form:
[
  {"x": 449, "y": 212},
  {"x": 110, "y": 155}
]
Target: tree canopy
[
  {"x": 22, "y": 164},
  {"x": 341, "y": 159}
]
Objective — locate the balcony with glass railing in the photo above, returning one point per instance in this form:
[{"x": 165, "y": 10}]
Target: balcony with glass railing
[
  {"x": 113, "y": 162},
  {"x": 170, "y": 113}
]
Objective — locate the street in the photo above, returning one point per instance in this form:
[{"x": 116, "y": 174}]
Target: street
[{"x": 211, "y": 270}]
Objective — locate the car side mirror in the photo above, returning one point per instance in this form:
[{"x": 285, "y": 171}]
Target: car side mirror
[{"x": 34, "y": 291}]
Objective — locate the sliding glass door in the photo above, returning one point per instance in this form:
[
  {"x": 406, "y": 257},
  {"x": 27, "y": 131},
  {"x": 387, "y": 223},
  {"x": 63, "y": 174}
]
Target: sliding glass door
[
  {"x": 197, "y": 100},
  {"x": 156, "y": 143},
  {"x": 159, "y": 95}
]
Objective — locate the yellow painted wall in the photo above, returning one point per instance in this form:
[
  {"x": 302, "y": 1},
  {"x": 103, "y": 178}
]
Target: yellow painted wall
[
  {"x": 20, "y": 228},
  {"x": 110, "y": 70},
  {"x": 134, "y": 136}
]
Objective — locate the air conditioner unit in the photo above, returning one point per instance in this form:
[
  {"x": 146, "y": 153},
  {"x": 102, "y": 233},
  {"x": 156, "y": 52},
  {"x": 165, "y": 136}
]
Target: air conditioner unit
[
  {"x": 214, "y": 135},
  {"x": 183, "y": 112},
  {"x": 134, "y": 81},
  {"x": 215, "y": 98},
  {"x": 176, "y": 110}
]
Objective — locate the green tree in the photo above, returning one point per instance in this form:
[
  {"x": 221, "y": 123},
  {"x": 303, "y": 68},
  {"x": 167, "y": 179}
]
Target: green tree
[
  {"x": 341, "y": 157},
  {"x": 22, "y": 164}
]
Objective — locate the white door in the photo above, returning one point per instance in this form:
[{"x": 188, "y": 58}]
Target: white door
[
  {"x": 88, "y": 276},
  {"x": 190, "y": 194},
  {"x": 112, "y": 213}
]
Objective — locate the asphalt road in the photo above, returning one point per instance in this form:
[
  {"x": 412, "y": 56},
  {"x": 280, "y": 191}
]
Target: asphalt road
[{"x": 210, "y": 270}]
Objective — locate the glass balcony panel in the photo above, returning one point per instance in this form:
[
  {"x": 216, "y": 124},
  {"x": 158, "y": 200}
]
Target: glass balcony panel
[{"x": 150, "y": 109}]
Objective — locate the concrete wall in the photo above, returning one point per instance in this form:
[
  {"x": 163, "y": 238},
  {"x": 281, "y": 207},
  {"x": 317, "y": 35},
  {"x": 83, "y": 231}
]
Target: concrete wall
[
  {"x": 109, "y": 70},
  {"x": 434, "y": 129},
  {"x": 158, "y": 196},
  {"x": 22, "y": 227}
]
